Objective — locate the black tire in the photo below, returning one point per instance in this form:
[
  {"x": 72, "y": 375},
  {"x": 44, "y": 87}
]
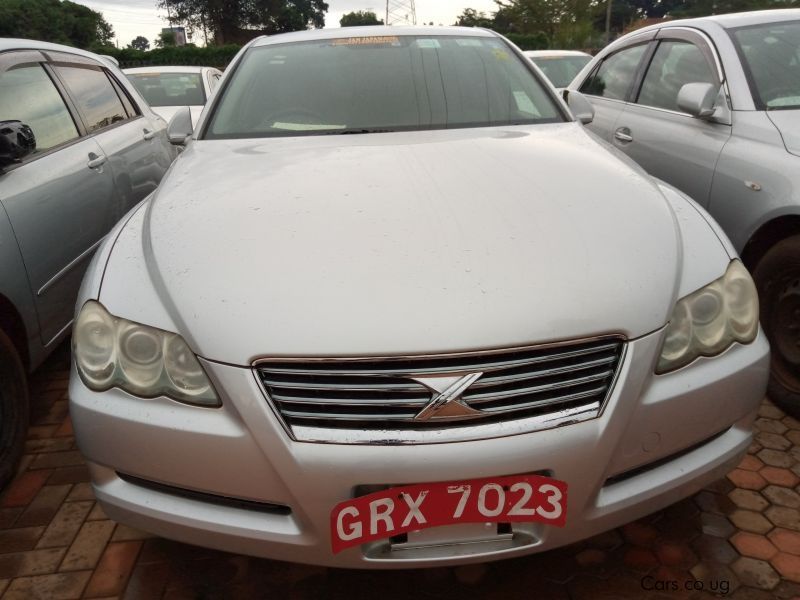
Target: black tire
[{"x": 777, "y": 277}]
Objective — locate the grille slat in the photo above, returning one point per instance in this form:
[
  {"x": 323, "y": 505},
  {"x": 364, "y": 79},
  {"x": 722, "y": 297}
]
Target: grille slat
[
  {"x": 359, "y": 395},
  {"x": 492, "y": 380},
  {"x": 416, "y": 366},
  {"x": 546, "y": 402},
  {"x": 472, "y": 398}
]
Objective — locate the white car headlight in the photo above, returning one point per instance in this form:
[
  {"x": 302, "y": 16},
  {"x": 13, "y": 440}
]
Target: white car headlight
[
  {"x": 709, "y": 320},
  {"x": 144, "y": 361}
]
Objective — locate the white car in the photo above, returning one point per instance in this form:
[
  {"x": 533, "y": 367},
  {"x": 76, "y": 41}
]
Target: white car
[
  {"x": 395, "y": 307},
  {"x": 560, "y": 66},
  {"x": 166, "y": 89}
]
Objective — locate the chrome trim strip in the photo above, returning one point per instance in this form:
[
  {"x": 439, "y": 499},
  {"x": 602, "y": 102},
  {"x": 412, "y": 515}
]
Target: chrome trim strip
[
  {"x": 69, "y": 267},
  {"x": 443, "y": 436}
]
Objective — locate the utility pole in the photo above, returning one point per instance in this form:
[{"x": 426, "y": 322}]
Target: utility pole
[
  {"x": 608, "y": 21},
  {"x": 401, "y": 12}
]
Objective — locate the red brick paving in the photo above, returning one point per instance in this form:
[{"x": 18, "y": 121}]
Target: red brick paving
[{"x": 739, "y": 538}]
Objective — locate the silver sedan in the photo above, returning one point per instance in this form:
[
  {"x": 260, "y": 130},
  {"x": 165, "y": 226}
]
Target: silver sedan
[
  {"x": 712, "y": 106},
  {"x": 394, "y": 307}
]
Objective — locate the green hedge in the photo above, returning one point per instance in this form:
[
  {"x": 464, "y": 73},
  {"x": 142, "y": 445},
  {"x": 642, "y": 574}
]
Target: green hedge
[
  {"x": 529, "y": 41},
  {"x": 211, "y": 56}
]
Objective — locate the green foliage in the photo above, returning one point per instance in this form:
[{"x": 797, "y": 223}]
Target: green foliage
[
  {"x": 54, "y": 21},
  {"x": 472, "y": 18},
  {"x": 140, "y": 43},
  {"x": 529, "y": 41},
  {"x": 166, "y": 39},
  {"x": 237, "y": 20},
  {"x": 581, "y": 23},
  {"x": 211, "y": 56},
  {"x": 360, "y": 17}
]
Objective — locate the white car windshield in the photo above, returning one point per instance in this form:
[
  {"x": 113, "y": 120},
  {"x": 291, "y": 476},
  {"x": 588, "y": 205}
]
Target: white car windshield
[
  {"x": 378, "y": 84},
  {"x": 771, "y": 54},
  {"x": 170, "y": 89}
]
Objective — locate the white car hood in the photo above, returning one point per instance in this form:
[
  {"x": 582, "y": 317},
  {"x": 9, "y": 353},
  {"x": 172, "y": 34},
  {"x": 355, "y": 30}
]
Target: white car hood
[
  {"x": 788, "y": 123},
  {"x": 401, "y": 243}
]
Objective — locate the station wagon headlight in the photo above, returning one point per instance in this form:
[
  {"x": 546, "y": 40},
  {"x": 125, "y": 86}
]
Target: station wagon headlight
[
  {"x": 142, "y": 360},
  {"x": 708, "y": 321}
]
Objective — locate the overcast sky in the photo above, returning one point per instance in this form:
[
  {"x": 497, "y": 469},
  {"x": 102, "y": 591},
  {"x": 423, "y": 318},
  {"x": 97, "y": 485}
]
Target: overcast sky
[{"x": 140, "y": 17}]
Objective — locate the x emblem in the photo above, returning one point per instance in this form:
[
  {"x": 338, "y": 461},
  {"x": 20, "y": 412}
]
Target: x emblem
[{"x": 447, "y": 404}]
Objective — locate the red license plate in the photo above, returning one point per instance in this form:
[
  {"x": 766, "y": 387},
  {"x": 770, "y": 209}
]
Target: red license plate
[{"x": 409, "y": 508}]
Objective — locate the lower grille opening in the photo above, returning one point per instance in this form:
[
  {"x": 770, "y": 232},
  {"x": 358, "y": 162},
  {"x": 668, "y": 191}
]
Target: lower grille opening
[
  {"x": 266, "y": 507},
  {"x": 625, "y": 475}
]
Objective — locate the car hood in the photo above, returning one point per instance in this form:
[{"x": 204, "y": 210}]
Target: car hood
[
  {"x": 412, "y": 242},
  {"x": 788, "y": 123}
]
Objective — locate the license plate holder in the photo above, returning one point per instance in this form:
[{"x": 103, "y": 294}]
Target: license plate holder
[{"x": 402, "y": 509}]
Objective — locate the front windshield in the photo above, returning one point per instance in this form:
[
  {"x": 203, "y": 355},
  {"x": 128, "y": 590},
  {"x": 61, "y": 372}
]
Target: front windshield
[
  {"x": 771, "y": 54},
  {"x": 561, "y": 70},
  {"x": 170, "y": 89},
  {"x": 378, "y": 84}
]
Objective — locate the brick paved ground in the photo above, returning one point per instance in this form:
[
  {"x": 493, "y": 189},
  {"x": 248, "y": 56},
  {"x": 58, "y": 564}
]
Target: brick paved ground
[{"x": 739, "y": 538}]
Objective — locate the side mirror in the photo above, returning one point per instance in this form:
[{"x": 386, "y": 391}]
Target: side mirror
[
  {"x": 180, "y": 126},
  {"x": 581, "y": 108},
  {"x": 698, "y": 99},
  {"x": 16, "y": 142}
]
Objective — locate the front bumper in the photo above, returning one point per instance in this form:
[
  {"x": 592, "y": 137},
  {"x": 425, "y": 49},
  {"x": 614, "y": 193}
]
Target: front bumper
[{"x": 659, "y": 439}]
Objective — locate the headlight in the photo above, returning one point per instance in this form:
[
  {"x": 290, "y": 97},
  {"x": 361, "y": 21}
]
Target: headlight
[
  {"x": 145, "y": 361},
  {"x": 708, "y": 321}
]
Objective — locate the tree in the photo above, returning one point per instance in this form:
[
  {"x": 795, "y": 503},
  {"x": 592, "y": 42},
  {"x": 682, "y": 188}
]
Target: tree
[
  {"x": 54, "y": 21},
  {"x": 140, "y": 43},
  {"x": 359, "y": 18},
  {"x": 233, "y": 21},
  {"x": 166, "y": 39},
  {"x": 566, "y": 23},
  {"x": 472, "y": 18}
]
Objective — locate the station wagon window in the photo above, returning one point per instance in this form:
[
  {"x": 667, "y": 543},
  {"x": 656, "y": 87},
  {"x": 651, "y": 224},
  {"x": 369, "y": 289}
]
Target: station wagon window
[
  {"x": 614, "y": 77},
  {"x": 674, "y": 64},
  {"x": 95, "y": 96},
  {"x": 27, "y": 94}
]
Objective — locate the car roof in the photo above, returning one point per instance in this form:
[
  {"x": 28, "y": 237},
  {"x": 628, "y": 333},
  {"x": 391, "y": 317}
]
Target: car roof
[
  {"x": 22, "y": 44},
  {"x": 538, "y": 53},
  {"x": 732, "y": 20},
  {"x": 371, "y": 31},
  {"x": 165, "y": 69}
]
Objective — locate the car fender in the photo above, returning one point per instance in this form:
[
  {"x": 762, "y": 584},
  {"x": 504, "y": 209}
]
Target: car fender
[{"x": 15, "y": 287}]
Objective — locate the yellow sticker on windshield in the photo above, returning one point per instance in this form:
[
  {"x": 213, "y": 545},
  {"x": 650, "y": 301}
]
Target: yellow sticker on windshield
[
  {"x": 500, "y": 54},
  {"x": 373, "y": 40}
]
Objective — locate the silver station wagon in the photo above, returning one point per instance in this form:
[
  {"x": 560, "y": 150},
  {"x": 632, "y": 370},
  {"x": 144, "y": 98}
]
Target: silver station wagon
[{"x": 393, "y": 306}]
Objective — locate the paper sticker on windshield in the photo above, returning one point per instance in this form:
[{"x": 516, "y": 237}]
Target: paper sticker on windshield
[
  {"x": 428, "y": 43},
  {"x": 373, "y": 40},
  {"x": 500, "y": 54},
  {"x": 468, "y": 42},
  {"x": 525, "y": 104}
]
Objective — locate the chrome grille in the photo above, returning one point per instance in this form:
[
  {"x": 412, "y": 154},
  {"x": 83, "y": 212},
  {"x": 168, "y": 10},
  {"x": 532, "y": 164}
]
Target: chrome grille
[{"x": 318, "y": 399}]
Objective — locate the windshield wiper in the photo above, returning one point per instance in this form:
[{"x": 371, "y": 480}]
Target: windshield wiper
[{"x": 351, "y": 131}]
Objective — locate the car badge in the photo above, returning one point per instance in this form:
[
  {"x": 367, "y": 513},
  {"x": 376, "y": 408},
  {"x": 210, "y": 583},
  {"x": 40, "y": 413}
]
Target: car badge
[{"x": 447, "y": 404}]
